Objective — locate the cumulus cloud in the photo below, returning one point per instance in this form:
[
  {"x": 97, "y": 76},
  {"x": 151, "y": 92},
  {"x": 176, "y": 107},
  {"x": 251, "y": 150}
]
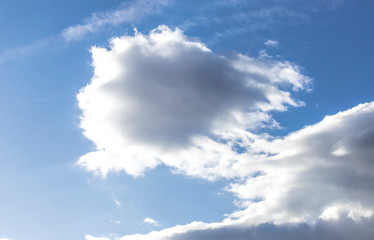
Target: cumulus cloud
[
  {"x": 304, "y": 179},
  {"x": 151, "y": 221},
  {"x": 271, "y": 43},
  {"x": 344, "y": 229},
  {"x": 163, "y": 98},
  {"x": 302, "y": 190}
]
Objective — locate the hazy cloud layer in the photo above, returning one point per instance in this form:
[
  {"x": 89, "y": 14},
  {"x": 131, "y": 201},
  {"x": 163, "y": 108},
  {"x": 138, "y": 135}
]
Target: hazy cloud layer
[{"x": 162, "y": 97}]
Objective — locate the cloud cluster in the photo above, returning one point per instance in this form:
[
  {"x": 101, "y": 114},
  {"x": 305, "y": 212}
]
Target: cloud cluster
[
  {"x": 303, "y": 189},
  {"x": 163, "y": 98}
]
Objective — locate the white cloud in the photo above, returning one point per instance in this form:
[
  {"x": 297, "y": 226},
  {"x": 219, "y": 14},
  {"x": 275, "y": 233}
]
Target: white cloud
[
  {"x": 117, "y": 202},
  {"x": 151, "y": 221},
  {"x": 163, "y": 98},
  {"x": 271, "y": 43},
  {"x": 344, "y": 229},
  {"x": 302, "y": 185},
  {"x": 126, "y": 13},
  {"x": 89, "y": 237},
  {"x": 303, "y": 180}
]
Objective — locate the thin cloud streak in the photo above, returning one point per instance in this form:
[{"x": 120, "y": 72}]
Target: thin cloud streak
[{"x": 126, "y": 13}]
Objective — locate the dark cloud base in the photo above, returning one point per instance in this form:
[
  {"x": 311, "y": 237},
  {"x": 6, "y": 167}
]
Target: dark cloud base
[{"x": 345, "y": 229}]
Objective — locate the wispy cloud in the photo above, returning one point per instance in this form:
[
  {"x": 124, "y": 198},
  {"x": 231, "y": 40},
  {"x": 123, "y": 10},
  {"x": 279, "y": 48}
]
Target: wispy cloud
[
  {"x": 271, "y": 43},
  {"x": 117, "y": 202},
  {"x": 127, "y": 12},
  {"x": 228, "y": 18},
  {"x": 132, "y": 12}
]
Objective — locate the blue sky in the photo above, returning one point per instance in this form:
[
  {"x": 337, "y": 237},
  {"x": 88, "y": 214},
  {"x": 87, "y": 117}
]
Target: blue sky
[{"x": 126, "y": 117}]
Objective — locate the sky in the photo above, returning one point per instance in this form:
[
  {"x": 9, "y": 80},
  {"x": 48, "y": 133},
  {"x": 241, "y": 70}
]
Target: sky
[{"x": 186, "y": 120}]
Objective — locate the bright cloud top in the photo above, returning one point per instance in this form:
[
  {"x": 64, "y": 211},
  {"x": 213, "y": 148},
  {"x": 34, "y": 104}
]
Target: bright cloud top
[{"x": 164, "y": 98}]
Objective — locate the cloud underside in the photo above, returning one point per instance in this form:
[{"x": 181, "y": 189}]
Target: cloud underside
[
  {"x": 165, "y": 99},
  {"x": 345, "y": 229}
]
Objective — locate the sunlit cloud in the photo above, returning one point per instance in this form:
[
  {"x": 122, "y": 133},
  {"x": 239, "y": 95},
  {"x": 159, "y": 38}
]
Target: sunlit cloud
[
  {"x": 163, "y": 98},
  {"x": 151, "y": 221}
]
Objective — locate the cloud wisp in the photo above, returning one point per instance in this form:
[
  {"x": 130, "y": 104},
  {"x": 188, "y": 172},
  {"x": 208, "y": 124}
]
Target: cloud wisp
[
  {"x": 271, "y": 43},
  {"x": 128, "y": 12}
]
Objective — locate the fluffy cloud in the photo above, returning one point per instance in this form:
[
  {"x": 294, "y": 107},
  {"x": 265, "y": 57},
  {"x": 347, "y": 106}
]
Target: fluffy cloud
[
  {"x": 304, "y": 178},
  {"x": 151, "y": 221},
  {"x": 162, "y": 98},
  {"x": 345, "y": 229},
  {"x": 303, "y": 189}
]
